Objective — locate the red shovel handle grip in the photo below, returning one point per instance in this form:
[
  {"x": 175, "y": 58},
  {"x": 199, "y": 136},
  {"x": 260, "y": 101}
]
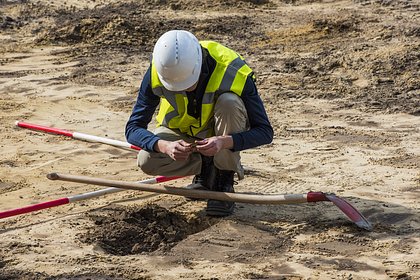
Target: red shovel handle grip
[{"x": 316, "y": 196}]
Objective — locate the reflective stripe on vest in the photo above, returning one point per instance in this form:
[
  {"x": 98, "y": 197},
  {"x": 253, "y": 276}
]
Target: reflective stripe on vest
[{"x": 229, "y": 75}]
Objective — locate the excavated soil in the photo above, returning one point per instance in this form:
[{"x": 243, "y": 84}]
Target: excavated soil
[
  {"x": 124, "y": 231},
  {"x": 340, "y": 82}
]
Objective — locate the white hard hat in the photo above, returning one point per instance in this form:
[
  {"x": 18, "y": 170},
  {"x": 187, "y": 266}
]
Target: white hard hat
[{"x": 177, "y": 58}]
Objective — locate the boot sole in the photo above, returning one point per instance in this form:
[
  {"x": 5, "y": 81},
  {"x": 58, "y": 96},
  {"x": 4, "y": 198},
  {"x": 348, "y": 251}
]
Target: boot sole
[{"x": 219, "y": 211}]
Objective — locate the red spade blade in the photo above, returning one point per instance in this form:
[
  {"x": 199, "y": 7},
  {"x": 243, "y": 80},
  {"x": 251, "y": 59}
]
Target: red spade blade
[{"x": 350, "y": 212}]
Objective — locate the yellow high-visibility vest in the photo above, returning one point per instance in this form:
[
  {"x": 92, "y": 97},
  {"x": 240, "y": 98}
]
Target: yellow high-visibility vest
[{"x": 229, "y": 75}]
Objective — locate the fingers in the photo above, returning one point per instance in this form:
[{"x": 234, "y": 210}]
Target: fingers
[
  {"x": 205, "y": 147},
  {"x": 183, "y": 143},
  {"x": 180, "y": 151},
  {"x": 202, "y": 142},
  {"x": 208, "y": 149},
  {"x": 205, "y": 144},
  {"x": 191, "y": 147},
  {"x": 210, "y": 146},
  {"x": 179, "y": 155}
]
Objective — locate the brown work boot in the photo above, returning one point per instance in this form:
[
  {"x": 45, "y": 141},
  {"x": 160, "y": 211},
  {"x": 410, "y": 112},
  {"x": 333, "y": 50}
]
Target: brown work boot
[{"x": 224, "y": 184}]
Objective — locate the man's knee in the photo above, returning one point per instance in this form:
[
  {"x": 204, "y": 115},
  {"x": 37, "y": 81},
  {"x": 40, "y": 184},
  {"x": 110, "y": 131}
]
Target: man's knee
[
  {"x": 146, "y": 163},
  {"x": 229, "y": 101},
  {"x": 230, "y": 114}
]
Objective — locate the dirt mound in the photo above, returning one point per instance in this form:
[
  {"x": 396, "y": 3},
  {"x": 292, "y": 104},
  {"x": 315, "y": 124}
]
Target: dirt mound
[
  {"x": 131, "y": 24},
  {"x": 365, "y": 72},
  {"x": 7, "y": 22},
  {"x": 127, "y": 32},
  {"x": 393, "y": 4},
  {"x": 21, "y": 275},
  {"x": 26, "y": 275},
  {"x": 394, "y": 85},
  {"x": 353, "y": 57},
  {"x": 124, "y": 231},
  {"x": 108, "y": 25}
]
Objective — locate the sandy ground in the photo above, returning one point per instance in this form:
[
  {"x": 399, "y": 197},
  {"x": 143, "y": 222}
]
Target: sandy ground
[{"x": 340, "y": 80}]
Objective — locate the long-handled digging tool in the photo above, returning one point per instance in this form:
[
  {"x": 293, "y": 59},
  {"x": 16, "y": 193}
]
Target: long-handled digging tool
[
  {"x": 78, "y": 197},
  {"x": 351, "y": 212}
]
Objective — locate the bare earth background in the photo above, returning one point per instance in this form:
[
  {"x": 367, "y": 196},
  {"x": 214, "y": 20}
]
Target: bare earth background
[{"x": 340, "y": 80}]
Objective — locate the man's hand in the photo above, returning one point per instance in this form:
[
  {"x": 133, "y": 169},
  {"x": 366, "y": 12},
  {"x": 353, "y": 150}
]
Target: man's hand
[
  {"x": 211, "y": 146},
  {"x": 177, "y": 150}
]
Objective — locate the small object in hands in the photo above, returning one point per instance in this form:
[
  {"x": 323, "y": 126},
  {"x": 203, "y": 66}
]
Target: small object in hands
[{"x": 193, "y": 146}]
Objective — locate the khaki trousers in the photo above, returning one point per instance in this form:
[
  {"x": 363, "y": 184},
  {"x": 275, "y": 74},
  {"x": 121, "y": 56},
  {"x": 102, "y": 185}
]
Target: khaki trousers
[{"x": 230, "y": 116}]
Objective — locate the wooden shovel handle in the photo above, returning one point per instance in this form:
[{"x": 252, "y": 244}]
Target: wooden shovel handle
[{"x": 236, "y": 197}]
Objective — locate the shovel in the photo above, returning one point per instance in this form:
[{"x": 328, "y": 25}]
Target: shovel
[{"x": 352, "y": 213}]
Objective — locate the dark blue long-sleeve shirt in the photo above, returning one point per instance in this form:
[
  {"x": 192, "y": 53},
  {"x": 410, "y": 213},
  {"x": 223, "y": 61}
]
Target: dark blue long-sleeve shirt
[{"x": 260, "y": 132}]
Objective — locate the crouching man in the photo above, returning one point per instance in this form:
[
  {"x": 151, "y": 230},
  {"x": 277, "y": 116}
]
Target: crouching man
[{"x": 209, "y": 111}]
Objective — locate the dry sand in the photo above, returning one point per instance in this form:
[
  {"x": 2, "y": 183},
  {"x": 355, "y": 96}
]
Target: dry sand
[{"x": 340, "y": 80}]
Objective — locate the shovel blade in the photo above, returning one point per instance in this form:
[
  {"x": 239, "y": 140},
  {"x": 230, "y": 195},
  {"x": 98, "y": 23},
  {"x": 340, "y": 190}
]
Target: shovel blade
[{"x": 350, "y": 212}]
